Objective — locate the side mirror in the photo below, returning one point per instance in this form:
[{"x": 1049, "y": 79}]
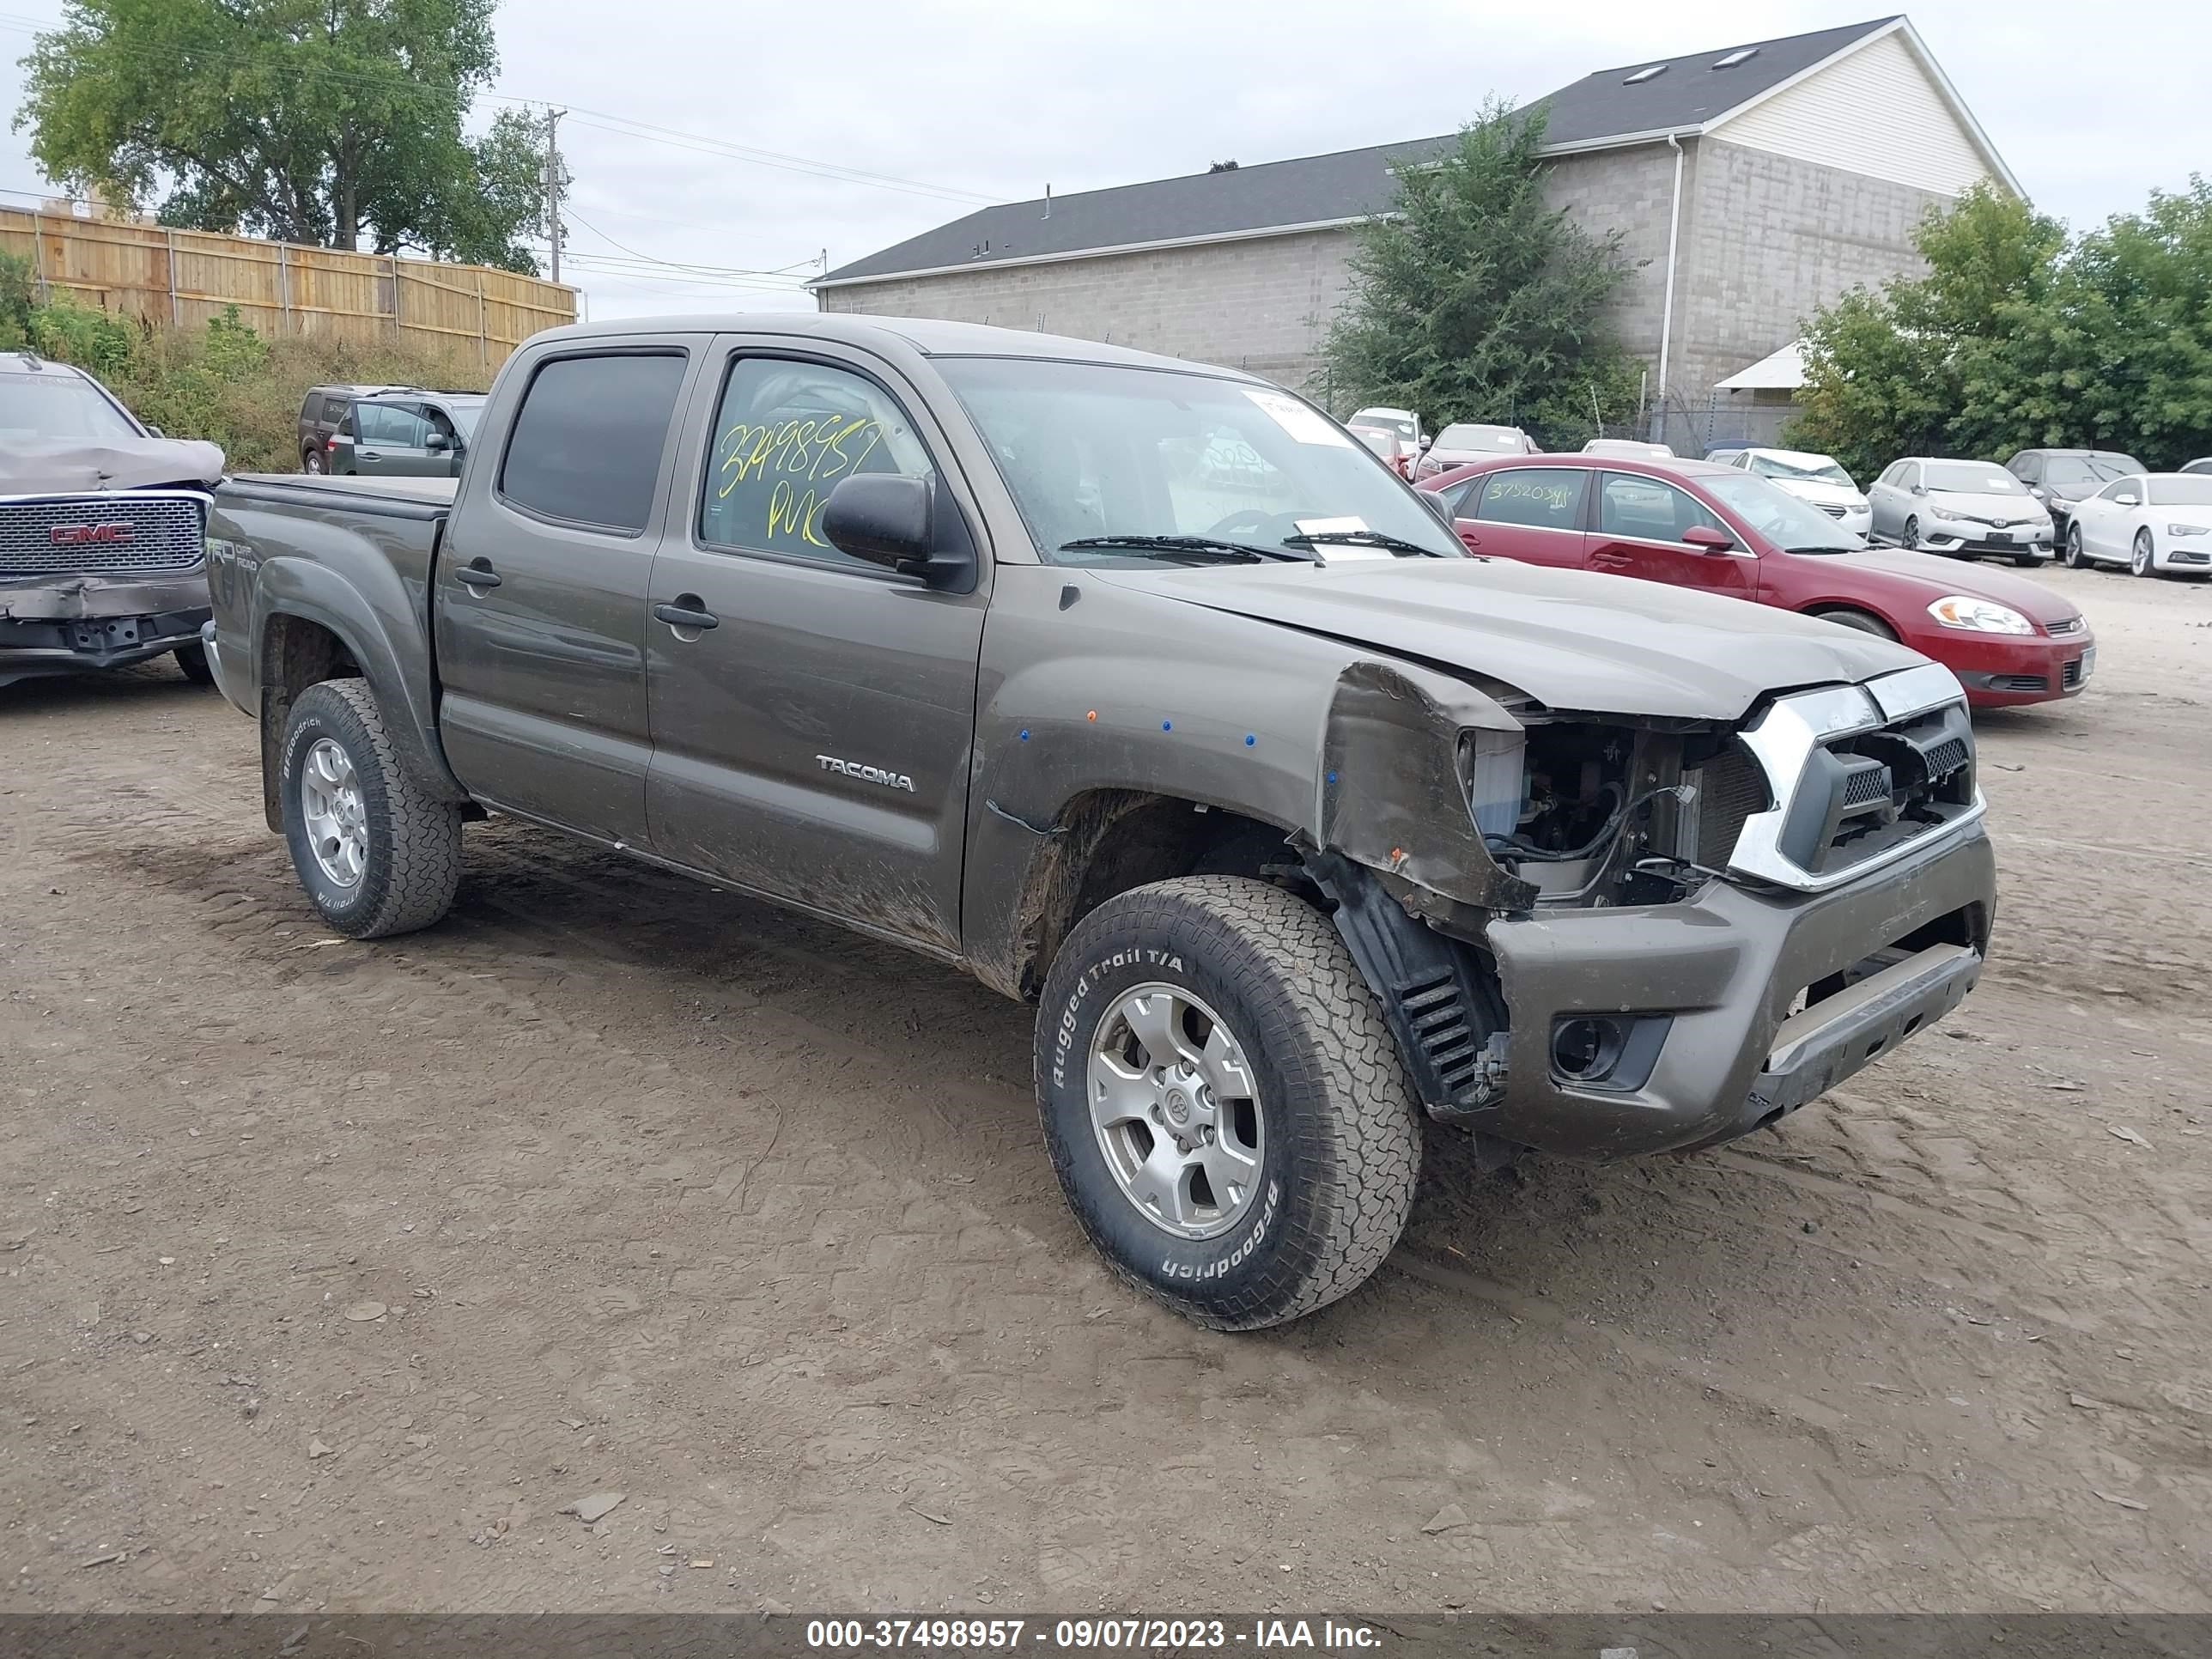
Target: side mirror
[
  {"x": 891, "y": 519},
  {"x": 435, "y": 442},
  {"x": 2036, "y": 491},
  {"x": 1435, "y": 503},
  {"x": 2125, "y": 498},
  {"x": 1706, "y": 539},
  {"x": 156, "y": 432}
]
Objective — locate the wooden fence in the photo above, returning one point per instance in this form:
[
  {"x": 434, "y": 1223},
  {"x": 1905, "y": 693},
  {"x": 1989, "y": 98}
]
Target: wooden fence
[{"x": 182, "y": 277}]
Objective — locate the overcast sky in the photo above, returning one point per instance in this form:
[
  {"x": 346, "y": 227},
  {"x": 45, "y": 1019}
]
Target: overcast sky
[{"x": 2092, "y": 107}]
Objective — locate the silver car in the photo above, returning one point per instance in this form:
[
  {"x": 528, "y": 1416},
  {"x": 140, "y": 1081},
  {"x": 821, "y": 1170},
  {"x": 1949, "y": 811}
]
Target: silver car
[{"x": 1968, "y": 509}]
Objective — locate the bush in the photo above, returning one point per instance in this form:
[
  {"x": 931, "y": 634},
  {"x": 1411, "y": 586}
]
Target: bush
[
  {"x": 17, "y": 295},
  {"x": 224, "y": 382}
]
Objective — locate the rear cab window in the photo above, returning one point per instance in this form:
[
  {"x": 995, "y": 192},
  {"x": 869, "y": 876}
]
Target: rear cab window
[{"x": 586, "y": 445}]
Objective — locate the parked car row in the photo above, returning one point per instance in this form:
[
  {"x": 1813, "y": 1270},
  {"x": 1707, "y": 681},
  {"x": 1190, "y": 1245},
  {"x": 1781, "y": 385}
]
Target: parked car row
[{"x": 1725, "y": 529}]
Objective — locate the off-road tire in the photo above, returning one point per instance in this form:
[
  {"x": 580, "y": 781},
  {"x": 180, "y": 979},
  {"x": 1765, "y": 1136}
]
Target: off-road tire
[
  {"x": 192, "y": 663},
  {"x": 413, "y": 853},
  {"x": 1342, "y": 1144}
]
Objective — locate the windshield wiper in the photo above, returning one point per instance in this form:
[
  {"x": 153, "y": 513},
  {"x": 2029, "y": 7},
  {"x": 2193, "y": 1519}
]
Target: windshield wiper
[
  {"x": 1361, "y": 538},
  {"x": 1204, "y": 546}
]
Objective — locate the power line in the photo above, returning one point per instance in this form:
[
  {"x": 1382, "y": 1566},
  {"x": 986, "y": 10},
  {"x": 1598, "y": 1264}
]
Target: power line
[{"x": 626, "y": 126}]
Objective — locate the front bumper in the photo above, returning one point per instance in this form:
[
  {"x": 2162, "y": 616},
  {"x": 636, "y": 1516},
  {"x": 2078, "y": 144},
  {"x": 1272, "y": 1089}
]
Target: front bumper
[
  {"x": 2003, "y": 671},
  {"x": 31, "y": 649},
  {"x": 1705, "y": 991},
  {"x": 1974, "y": 541}
]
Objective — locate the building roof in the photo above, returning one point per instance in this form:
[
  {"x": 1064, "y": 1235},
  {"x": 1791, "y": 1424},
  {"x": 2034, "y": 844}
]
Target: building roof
[{"x": 1606, "y": 108}]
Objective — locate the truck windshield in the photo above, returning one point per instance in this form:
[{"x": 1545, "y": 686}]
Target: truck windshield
[
  {"x": 1094, "y": 452},
  {"x": 52, "y": 403}
]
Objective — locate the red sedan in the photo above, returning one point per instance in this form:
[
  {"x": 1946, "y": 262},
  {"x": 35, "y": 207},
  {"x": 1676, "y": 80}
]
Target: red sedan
[{"x": 1695, "y": 524}]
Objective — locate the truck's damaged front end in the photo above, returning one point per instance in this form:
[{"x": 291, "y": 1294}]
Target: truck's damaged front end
[
  {"x": 1601, "y": 936},
  {"x": 102, "y": 556}
]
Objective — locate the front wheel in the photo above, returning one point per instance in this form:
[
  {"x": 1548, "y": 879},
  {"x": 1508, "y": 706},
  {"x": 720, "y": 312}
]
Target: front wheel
[
  {"x": 2145, "y": 562},
  {"x": 1223, "y": 1101},
  {"x": 1864, "y": 620},
  {"x": 1912, "y": 538},
  {"x": 377, "y": 853},
  {"x": 193, "y": 663},
  {"x": 2075, "y": 558}
]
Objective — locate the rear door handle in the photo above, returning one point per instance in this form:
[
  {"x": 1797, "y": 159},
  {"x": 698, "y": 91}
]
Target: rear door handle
[
  {"x": 478, "y": 575},
  {"x": 689, "y": 611}
]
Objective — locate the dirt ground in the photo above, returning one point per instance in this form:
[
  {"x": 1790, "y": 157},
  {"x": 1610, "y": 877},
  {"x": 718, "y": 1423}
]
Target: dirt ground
[{"x": 664, "y": 1193}]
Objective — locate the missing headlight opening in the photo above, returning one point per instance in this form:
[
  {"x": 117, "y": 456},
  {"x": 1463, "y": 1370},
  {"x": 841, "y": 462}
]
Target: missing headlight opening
[{"x": 1608, "y": 814}]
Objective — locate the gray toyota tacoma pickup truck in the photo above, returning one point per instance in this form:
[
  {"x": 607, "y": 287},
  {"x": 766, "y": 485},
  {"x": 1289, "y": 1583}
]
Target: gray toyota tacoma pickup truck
[
  {"x": 102, "y": 526},
  {"x": 1142, "y": 692}
]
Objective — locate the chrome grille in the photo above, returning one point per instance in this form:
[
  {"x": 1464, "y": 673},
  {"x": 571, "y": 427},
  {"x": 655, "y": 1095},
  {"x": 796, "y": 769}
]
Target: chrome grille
[
  {"x": 99, "y": 535},
  {"x": 1833, "y": 511},
  {"x": 2060, "y": 630}
]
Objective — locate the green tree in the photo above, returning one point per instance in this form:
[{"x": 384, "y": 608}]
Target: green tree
[
  {"x": 2014, "y": 338},
  {"x": 1473, "y": 300},
  {"x": 319, "y": 121}
]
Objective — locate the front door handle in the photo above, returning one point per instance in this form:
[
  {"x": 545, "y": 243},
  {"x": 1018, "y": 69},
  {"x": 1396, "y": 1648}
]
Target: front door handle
[
  {"x": 1609, "y": 561},
  {"x": 478, "y": 575},
  {"x": 689, "y": 611},
  {"x": 368, "y": 454}
]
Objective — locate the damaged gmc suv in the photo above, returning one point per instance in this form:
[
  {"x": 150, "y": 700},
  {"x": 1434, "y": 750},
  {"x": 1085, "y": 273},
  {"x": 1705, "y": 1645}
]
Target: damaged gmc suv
[
  {"x": 102, "y": 529},
  {"x": 1143, "y": 693}
]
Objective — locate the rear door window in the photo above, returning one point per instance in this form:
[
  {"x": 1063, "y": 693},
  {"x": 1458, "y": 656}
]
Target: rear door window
[
  {"x": 1543, "y": 497},
  {"x": 586, "y": 445}
]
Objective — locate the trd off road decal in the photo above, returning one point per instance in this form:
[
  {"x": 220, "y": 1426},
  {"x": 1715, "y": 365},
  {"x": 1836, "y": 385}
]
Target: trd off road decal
[{"x": 1065, "y": 1037}]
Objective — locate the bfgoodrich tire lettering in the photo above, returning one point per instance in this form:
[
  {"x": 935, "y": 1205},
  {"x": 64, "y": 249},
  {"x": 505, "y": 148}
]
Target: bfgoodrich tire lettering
[
  {"x": 1340, "y": 1137},
  {"x": 412, "y": 863}
]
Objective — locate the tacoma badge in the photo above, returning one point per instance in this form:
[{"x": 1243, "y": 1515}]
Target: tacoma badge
[{"x": 870, "y": 773}]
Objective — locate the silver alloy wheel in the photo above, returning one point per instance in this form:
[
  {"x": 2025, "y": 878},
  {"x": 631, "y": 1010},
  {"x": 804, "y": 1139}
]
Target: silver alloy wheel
[
  {"x": 1176, "y": 1110},
  {"x": 2144, "y": 557},
  {"x": 330, "y": 808}
]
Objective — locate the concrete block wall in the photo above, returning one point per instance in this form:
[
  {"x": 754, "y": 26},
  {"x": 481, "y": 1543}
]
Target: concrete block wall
[
  {"x": 1261, "y": 304},
  {"x": 1767, "y": 239},
  {"x": 1631, "y": 190}
]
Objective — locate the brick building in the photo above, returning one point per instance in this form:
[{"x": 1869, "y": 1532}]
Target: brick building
[{"x": 1751, "y": 184}]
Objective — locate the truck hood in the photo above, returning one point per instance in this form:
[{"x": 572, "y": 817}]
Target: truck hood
[
  {"x": 1570, "y": 639},
  {"x": 76, "y": 466}
]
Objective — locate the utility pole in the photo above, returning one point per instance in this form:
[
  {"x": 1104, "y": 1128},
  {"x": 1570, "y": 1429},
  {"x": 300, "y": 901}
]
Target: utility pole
[{"x": 553, "y": 184}]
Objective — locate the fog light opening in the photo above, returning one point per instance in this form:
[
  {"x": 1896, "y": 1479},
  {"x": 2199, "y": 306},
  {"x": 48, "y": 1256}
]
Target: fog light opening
[{"x": 1584, "y": 1048}]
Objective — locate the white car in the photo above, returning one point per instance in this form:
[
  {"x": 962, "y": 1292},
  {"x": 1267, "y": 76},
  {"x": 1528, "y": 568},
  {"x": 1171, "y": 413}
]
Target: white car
[
  {"x": 1963, "y": 508},
  {"x": 1630, "y": 448},
  {"x": 2161, "y": 521},
  {"x": 1411, "y": 439},
  {"x": 1468, "y": 441},
  {"x": 1816, "y": 480}
]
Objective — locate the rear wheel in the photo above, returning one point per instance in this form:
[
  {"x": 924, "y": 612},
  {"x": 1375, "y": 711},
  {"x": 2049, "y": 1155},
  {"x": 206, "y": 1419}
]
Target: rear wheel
[
  {"x": 311, "y": 461},
  {"x": 2145, "y": 562},
  {"x": 1865, "y": 620},
  {"x": 1224, "y": 1105},
  {"x": 377, "y": 853}
]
